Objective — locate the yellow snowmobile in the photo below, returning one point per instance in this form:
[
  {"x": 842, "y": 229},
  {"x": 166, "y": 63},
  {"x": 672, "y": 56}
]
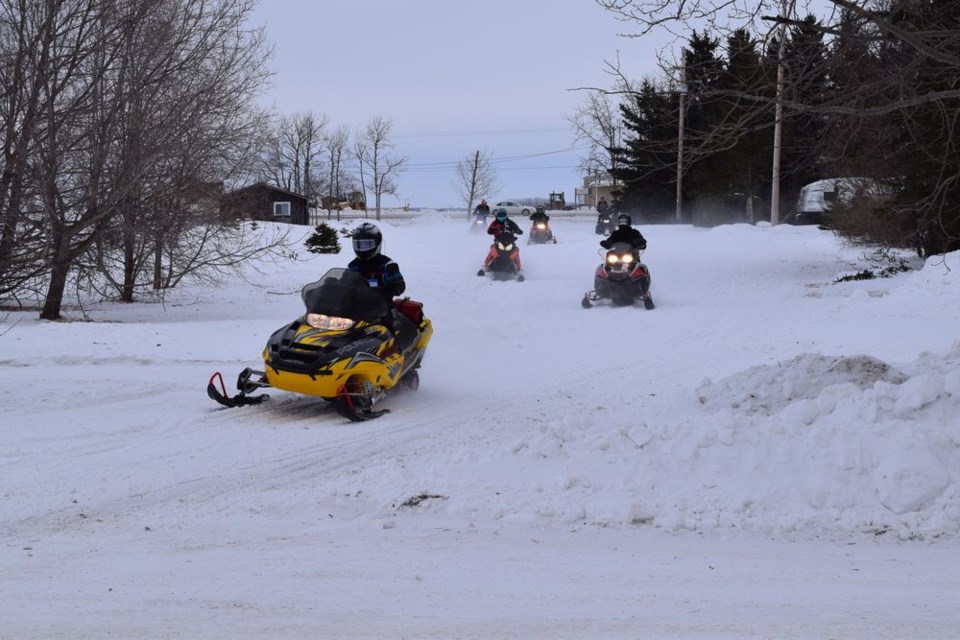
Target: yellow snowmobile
[{"x": 340, "y": 349}]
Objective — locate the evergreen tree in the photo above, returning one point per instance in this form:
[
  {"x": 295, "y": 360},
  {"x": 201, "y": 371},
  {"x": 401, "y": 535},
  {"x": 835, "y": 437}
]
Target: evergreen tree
[
  {"x": 646, "y": 163},
  {"x": 705, "y": 173},
  {"x": 805, "y": 81},
  {"x": 848, "y": 144},
  {"x": 920, "y": 140},
  {"x": 323, "y": 240},
  {"x": 748, "y": 160}
]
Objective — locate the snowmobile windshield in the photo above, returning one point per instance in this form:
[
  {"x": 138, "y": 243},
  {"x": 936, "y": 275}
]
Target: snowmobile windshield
[
  {"x": 622, "y": 247},
  {"x": 344, "y": 294}
]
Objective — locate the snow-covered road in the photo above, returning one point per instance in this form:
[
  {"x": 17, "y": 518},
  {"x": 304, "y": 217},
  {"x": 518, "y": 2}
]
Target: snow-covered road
[{"x": 767, "y": 454}]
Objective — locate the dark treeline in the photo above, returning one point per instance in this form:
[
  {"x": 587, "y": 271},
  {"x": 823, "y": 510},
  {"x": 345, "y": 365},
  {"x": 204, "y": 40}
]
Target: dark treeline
[{"x": 876, "y": 94}]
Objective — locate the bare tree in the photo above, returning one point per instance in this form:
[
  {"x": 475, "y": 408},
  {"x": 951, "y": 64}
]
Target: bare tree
[
  {"x": 373, "y": 153},
  {"x": 597, "y": 124},
  {"x": 335, "y": 145},
  {"x": 476, "y": 178},
  {"x": 134, "y": 90},
  {"x": 296, "y": 147},
  {"x": 31, "y": 44},
  {"x": 360, "y": 152}
]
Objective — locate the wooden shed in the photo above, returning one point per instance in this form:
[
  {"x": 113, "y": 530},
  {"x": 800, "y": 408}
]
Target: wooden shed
[{"x": 261, "y": 201}]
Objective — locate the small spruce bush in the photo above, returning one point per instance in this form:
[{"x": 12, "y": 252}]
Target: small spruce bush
[{"x": 323, "y": 240}]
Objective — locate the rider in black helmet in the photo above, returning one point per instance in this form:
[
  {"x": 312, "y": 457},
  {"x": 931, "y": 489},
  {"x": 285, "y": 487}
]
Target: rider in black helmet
[
  {"x": 382, "y": 272},
  {"x": 540, "y": 215},
  {"x": 384, "y": 275},
  {"x": 625, "y": 233}
]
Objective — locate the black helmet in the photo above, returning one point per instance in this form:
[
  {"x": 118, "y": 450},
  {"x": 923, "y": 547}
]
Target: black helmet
[
  {"x": 367, "y": 240},
  {"x": 623, "y": 220},
  {"x": 541, "y": 210}
]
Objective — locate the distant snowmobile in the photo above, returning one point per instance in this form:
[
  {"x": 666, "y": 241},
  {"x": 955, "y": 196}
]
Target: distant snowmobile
[
  {"x": 339, "y": 349},
  {"x": 621, "y": 280},
  {"x": 606, "y": 223},
  {"x": 503, "y": 260},
  {"x": 540, "y": 233},
  {"x": 479, "y": 223}
]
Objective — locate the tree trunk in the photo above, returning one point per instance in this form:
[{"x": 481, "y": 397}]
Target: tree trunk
[
  {"x": 8, "y": 225},
  {"x": 129, "y": 269},
  {"x": 59, "y": 269},
  {"x": 157, "y": 264}
]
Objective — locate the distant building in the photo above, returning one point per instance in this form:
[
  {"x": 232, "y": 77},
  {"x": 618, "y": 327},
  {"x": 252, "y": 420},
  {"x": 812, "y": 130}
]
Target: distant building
[
  {"x": 595, "y": 186},
  {"x": 261, "y": 201}
]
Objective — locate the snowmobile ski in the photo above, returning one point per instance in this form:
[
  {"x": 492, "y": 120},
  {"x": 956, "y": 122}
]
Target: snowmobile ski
[{"x": 245, "y": 386}]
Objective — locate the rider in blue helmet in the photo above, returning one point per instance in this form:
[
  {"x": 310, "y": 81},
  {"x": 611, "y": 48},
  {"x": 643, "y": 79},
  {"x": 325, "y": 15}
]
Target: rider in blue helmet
[
  {"x": 500, "y": 227},
  {"x": 503, "y": 224}
]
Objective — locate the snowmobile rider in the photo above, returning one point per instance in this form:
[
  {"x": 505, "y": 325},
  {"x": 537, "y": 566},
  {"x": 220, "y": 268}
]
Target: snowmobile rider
[
  {"x": 384, "y": 275},
  {"x": 483, "y": 209},
  {"x": 500, "y": 226},
  {"x": 602, "y": 208},
  {"x": 625, "y": 233},
  {"x": 540, "y": 215}
]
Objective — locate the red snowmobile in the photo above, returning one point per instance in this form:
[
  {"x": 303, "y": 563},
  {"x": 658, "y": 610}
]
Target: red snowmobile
[{"x": 621, "y": 280}]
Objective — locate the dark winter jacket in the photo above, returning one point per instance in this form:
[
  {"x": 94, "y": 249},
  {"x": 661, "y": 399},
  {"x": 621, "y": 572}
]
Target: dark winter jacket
[
  {"x": 382, "y": 273},
  {"x": 482, "y": 210},
  {"x": 602, "y": 206},
  {"x": 625, "y": 234},
  {"x": 507, "y": 226},
  {"x": 539, "y": 216}
]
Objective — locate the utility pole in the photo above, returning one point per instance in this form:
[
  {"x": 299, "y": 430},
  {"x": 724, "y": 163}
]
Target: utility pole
[
  {"x": 778, "y": 118},
  {"x": 683, "y": 94}
]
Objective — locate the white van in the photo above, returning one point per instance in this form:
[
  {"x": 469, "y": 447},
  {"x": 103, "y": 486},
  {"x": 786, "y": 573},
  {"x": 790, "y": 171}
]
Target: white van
[{"x": 818, "y": 197}]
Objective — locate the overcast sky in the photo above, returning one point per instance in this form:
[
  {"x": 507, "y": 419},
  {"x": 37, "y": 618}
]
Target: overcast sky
[{"x": 455, "y": 77}]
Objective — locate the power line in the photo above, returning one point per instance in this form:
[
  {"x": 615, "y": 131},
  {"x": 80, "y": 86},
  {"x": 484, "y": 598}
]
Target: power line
[
  {"x": 478, "y": 133},
  {"x": 447, "y": 169},
  {"x": 452, "y": 164}
]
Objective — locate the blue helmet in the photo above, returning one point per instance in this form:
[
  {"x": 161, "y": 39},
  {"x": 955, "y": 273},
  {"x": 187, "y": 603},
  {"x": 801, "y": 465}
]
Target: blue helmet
[{"x": 501, "y": 214}]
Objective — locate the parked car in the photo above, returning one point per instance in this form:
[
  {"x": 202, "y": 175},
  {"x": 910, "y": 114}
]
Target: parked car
[
  {"x": 514, "y": 208},
  {"x": 817, "y": 198}
]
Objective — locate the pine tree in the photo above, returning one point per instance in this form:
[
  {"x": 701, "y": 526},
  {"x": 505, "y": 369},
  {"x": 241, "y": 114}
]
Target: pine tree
[
  {"x": 748, "y": 159},
  {"x": 646, "y": 164},
  {"x": 323, "y": 240}
]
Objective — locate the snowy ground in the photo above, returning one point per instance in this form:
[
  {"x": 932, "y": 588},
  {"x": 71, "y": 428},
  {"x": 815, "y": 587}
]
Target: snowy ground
[{"x": 768, "y": 454}]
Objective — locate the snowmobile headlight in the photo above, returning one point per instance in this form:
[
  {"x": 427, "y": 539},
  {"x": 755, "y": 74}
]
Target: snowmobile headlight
[
  {"x": 627, "y": 258},
  {"x": 320, "y": 321},
  {"x": 505, "y": 247},
  {"x": 613, "y": 258},
  {"x": 541, "y": 225}
]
